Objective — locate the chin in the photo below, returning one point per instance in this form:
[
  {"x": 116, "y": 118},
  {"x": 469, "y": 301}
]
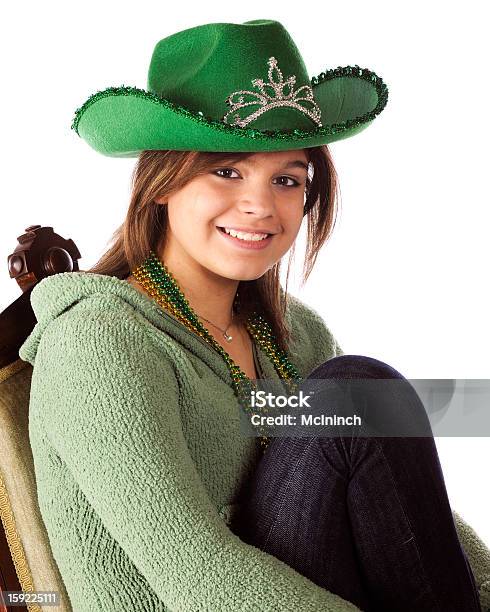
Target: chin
[
  {"x": 251, "y": 277},
  {"x": 245, "y": 275}
]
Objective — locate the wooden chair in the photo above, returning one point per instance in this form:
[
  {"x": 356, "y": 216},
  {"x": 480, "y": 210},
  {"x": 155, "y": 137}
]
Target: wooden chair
[{"x": 26, "y": 560}]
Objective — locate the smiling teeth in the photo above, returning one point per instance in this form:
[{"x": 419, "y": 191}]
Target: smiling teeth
[{"x": 245, "y": 236}]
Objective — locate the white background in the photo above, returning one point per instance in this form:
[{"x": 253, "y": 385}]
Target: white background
[{"x": 405, "y": 276}]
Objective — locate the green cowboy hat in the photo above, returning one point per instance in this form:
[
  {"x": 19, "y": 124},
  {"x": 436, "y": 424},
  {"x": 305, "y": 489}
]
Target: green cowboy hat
[{"x": 200, "y": 97}]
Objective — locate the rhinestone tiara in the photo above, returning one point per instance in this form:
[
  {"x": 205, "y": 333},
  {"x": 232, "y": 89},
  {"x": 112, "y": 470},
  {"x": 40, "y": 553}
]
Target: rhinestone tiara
[{"x": 284, "y": 95}]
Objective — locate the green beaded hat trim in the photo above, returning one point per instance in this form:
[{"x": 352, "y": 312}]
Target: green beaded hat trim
[{"x": 160, "y": 284}]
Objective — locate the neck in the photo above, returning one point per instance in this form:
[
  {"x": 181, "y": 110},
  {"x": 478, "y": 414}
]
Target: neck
[{"x": 210, "y": 296}]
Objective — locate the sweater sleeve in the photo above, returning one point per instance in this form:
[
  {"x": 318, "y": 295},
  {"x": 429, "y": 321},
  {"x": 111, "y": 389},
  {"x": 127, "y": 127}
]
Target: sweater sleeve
[
  {"x": 328, "y": 346},
  {"x": 338, "y": 349},
  {"x": 109, "y": 398},
  {"x": 313, "y": 342},
  {"x": 478, "y": 555}
]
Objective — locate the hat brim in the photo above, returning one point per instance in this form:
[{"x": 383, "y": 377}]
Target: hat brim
[{"x": 124, "y": 121}]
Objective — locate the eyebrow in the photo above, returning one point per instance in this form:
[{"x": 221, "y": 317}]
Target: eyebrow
[{"x": 297, "y": 163}]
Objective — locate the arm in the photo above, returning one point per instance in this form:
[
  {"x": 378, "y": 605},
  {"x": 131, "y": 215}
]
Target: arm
[
  {"x": 113, "y": 418},
  {"x": 478, "y": 556},
  {"x": 338, "y": 350},
  {"x": 312, "y": 338}
]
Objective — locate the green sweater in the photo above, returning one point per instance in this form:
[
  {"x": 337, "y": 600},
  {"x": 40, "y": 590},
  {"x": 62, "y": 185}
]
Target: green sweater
[{"x": 139, "y": 458}]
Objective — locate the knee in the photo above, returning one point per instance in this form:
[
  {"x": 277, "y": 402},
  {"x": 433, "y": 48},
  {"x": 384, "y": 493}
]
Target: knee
[
  {"x": 394, "y": 408},
  {"x": 354, "y": 366}
]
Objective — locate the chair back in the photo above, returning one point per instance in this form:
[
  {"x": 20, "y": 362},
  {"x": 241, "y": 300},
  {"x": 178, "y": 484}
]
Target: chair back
[{"x": 26, "y": 560}]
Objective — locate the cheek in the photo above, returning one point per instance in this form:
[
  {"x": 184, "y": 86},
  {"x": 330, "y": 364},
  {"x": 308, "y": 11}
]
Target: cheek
[
  {"x": 196, "y": 211},
  {"x": 292, "y": 217},
  {"x": 193, "y": 229}
]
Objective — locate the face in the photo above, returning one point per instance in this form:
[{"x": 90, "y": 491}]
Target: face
[{"x": 263, "y": 194}]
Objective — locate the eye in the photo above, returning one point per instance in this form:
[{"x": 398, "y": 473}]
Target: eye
[
  {"x": 289, "y": 178},
  {"x": 226, "y": 174},
  {"x": 224, "y": 170}
]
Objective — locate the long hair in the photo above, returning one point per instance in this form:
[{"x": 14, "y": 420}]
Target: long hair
[{"x": 159, "y": 172}]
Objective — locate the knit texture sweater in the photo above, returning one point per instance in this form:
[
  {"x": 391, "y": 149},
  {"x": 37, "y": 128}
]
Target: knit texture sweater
[{"x": 139, "y": 457}]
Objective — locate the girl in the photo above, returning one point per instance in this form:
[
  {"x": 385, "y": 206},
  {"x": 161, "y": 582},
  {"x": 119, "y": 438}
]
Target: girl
[{"x": 152, "y": 496}]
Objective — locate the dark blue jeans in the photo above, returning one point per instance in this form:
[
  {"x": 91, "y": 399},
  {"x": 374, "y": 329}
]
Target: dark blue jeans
[{"x": 367, "y": 518}]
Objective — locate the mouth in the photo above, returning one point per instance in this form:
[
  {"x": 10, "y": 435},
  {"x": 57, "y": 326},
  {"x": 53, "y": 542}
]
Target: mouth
[{"x": 256, "y": 244}]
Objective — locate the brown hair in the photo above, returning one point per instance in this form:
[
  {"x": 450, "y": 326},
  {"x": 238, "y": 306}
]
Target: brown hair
[{"x": 160, "y": 172}]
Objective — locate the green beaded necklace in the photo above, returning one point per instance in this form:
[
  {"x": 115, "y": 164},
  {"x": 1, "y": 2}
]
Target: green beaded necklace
[{"x": 160, "y": 284}]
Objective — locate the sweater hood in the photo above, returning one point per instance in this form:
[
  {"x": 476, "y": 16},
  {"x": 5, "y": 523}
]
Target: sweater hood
[{"x": 56, "y": 294}]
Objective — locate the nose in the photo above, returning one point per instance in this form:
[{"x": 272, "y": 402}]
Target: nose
[{"x": 257, "y": 198}]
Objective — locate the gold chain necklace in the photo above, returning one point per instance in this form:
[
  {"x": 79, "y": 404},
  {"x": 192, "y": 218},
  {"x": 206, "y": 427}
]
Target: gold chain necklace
[
  {"x": 160, "y": 284},
  {"x": 226, "y": 336}
]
